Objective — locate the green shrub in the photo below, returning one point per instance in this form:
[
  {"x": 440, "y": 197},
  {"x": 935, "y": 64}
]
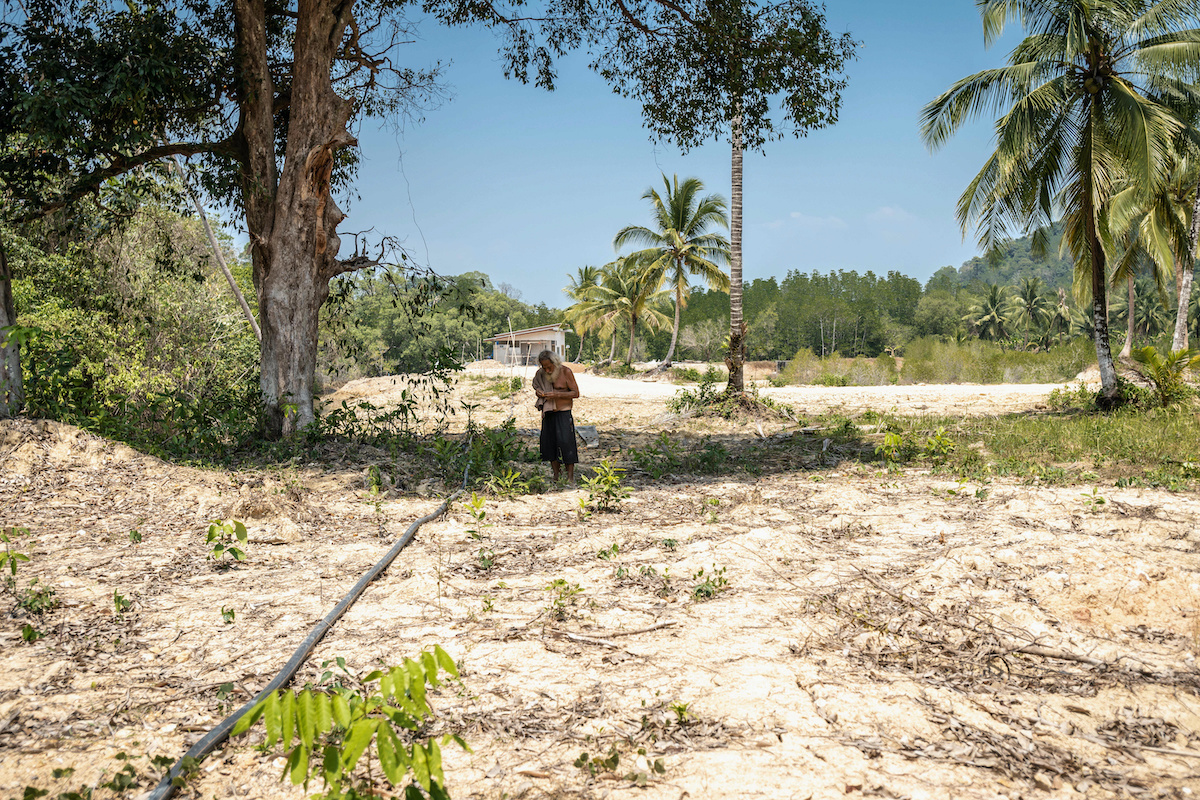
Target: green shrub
[{"x": 1165, "y": 372}]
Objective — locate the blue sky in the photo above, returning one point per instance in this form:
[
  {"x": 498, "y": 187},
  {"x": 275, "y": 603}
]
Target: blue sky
[{"x": 528, "y": 185}]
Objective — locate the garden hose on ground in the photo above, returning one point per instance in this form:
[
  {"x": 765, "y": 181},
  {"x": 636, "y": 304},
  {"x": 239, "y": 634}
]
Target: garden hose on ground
[{"x": 220, "y": 733}]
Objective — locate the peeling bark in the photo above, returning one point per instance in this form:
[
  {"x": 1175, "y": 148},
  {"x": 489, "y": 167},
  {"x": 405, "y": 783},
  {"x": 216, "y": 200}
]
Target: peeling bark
[{"x": 292, "y": 219}]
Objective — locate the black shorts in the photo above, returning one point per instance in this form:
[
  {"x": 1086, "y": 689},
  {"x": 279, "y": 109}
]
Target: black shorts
[{"x": 558, "y": 437}]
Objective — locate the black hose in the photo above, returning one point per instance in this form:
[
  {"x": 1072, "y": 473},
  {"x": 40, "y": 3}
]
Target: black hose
[{"x": 213, "y": 738}]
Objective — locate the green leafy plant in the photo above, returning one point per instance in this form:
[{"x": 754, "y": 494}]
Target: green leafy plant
[
  {"x": 135, "y": 536},
  {"x": 30, "y": 634},
  {"x": 670, "y": 544},
  {"x": 121, "y": 603},
  {"x": 1094, "y": 499},
  {"x": 609, "y": 553},
  {"x": 563, "y": 596},
  {"x": 228, "y": 615},
  {"x": 10, "y": 557},
  {"x": 38, "y": 599},
  {"x": 507, "y": 484},
  {"x": 1165, "y": 372},
  {"x": 487, "y": 558},
  {"x": 604, "y": 488},
  {"x": 710, "y": 585},
  {"x": 891, "y": 448},
  {"x": 224, "y": 538},
  {"x": 938, "y": 445},
  {"x": 597, "y": 765},
  {"x": 339, "y": 733},
  {"x": 478, "y": 513}
]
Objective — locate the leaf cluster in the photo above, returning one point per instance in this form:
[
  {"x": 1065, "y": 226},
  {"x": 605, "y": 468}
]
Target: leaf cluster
[{"x": 327, "y": 732}]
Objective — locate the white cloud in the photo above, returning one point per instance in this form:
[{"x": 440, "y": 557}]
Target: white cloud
[
  {"x": 891, "y": 214},
  {"x": 810, "y": 223}
]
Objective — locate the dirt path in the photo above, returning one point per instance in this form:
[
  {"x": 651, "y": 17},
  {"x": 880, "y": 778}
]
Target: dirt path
[{"x": 851, "y": 633}]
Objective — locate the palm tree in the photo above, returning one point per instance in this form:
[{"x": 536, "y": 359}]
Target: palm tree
[
  {"x": 990, "y": 315},
  {"x": 682, "y": 245},
  {"x": 623, "y": 294},
  {"x": 1030, "y": 305},
  {"x": 1092, "y": 96},
  {"x": 1152, "y": 234},
  {"x": 583, "y": 282}
]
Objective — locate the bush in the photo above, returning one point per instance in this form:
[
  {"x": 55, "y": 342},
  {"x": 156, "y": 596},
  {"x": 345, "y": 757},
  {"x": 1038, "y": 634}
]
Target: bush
[
  {"x": 931, "y": 360},
  {"x": 806, "y": 368}
]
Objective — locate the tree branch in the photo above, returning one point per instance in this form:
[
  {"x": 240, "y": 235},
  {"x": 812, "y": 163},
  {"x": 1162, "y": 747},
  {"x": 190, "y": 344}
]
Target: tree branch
[{"x": 120, "y": 165}]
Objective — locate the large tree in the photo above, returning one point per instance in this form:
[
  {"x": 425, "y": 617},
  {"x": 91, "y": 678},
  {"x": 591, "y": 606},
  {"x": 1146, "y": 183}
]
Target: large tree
[
  {"x": 265, "y": 93},
  {"x": 735, "y": 70},
  {"x": 681, "y": 244},
  {"x": 1095, "y": 93}
]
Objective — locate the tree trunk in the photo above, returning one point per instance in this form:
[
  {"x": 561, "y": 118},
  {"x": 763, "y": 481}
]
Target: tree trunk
[
  {"x": 675, "y": 330},
  {"x": 1127, "y": 351},
  {"x": 736, "y": 359},
  {"x": 1186, "y": 275},
  {"x": 632, "y": 328},
  {"x": 1104, "y": 358},
  {"x": 12, "y": 388},
  {"x": 293, "y": 230},
  {"x": 612, "y": 350}
]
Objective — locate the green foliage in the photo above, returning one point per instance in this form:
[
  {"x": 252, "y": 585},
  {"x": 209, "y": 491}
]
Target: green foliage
[
  {"x": 228, "y": 614},
  {"x": 600, "y": 765},
  {"x": 478, "y": 513},
  {"x": 708, "y": 397},
  {"x": 224, "y": 536},
  {"x": 1165, "y": 372},
  {"x": 339, "y": 733},
  {"x": 938, "y": 446},
  {"x": 563, "y": 596},
  {"x": 30, "y": 634},
  {"x": 605, "y": 491},
  {"x": 134, "y": 336},
  {"x": 709, "y": 585},
  {"x": 10, "y": 557},
  {"x": 507, "y": 484},
  {"x": 609, "y": 553},
  {"x": 38, "y": 599},
  {"x": 665, "y": 456},
  {"x": 929, "y": 360},
  {"x": 121, "y": 603}
]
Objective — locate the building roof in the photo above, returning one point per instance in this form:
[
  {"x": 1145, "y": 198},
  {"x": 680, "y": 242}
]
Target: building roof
[{"x": 507, "y": 335}]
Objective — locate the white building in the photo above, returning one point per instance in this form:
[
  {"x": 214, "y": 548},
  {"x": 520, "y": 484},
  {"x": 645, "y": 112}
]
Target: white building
[{"x": 521, "y": 347}]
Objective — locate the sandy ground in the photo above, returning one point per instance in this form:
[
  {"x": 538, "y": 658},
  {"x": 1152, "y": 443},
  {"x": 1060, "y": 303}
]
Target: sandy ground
[{"x": 852, "y": 633}]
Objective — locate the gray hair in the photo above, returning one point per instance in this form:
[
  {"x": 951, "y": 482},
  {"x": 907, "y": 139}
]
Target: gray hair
[{"x": 552, "y": 357}]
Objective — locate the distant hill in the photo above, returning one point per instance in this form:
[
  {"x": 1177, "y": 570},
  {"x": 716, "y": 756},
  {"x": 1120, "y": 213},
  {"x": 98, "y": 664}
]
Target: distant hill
[{"x": 1013, "y": 262}]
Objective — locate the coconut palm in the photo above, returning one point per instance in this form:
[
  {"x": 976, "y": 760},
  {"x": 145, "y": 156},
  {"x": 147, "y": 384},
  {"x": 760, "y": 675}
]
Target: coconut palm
[
  {"x": 624, "y": 295},
  {"x": 682, "y": 246},
  {"x": 582, "y": 283},
  {"x": 990, "y": 316},
  {"x": 1030, "y": 306},
  {"x": 1093, "y": 94}
]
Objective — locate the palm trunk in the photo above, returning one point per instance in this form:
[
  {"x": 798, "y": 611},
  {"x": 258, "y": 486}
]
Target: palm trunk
[
  {"x": 736, "y": 359},
  {"x": 674, "y": 330},
  {"x": 1186, "y": 275},
  {"x": 12, "y": 387},
  {"x": 1104, "y": 358},
  {"x": 1127, "y": 351},
  {"x": 612, "y": 351},
  {"x": 632, "y": 328}
]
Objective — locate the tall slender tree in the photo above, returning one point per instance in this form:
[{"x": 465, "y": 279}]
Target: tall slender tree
[
  {"x": 681, "y": 245},
  {"x": 739, "y": 71},
  {"x": 1094, "y": 93}
]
